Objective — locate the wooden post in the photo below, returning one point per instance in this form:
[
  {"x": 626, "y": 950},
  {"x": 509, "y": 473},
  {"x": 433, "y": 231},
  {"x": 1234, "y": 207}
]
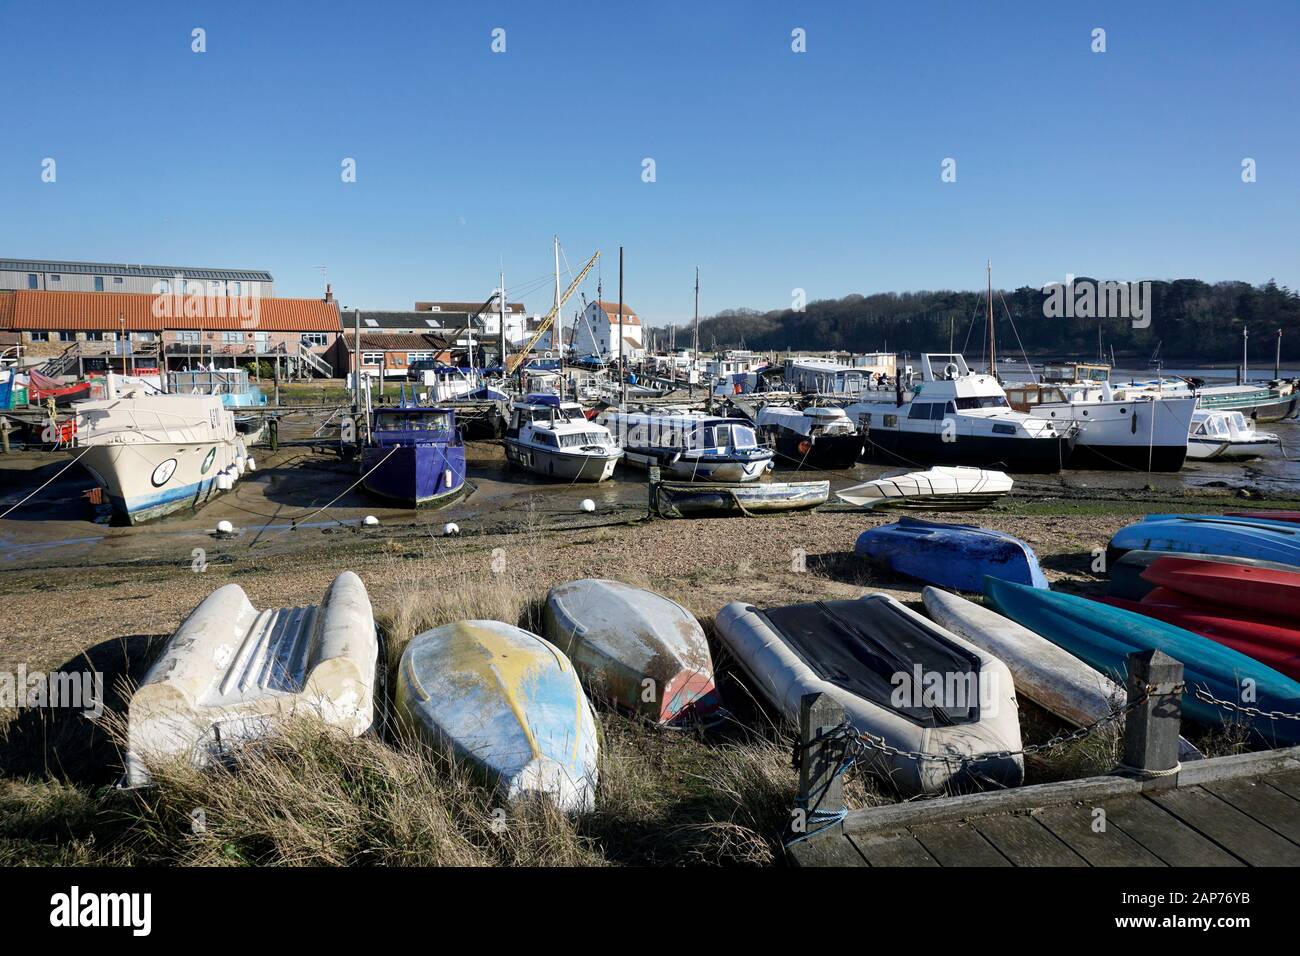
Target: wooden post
[
  {"x": 653, "y": 491},
  {"x": 821, "y": 786},
  {"x": 1151, "y": 730}
]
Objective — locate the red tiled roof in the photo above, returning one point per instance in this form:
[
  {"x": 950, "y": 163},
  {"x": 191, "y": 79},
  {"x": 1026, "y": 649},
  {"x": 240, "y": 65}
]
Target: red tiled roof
[
  {"x": 142, "y": 312},
  {"x": 611, "y": 312},
  {"x": 6, "y": 310}
]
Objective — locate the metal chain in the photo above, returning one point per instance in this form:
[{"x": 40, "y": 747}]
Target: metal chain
[
  {"x": 1203, "y": 695},
  {"x": 858, "y": 743}
]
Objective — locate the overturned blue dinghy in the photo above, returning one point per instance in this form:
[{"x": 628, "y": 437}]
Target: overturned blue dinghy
[
  {"x": 1258, "y": 540},
  {"x": 955, "y": 556}
]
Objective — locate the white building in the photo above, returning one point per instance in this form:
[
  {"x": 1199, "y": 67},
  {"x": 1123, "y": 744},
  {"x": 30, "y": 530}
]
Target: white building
[{"x": 598, "y": 328}]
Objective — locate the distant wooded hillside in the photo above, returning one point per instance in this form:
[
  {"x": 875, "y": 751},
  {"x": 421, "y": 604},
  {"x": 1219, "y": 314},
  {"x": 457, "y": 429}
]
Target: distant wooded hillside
[{"x": 1189, "y": 319}]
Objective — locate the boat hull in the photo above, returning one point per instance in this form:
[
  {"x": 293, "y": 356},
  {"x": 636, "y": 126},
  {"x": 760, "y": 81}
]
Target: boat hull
[
  {"x": 414, "y": 476},
  {"x": 148, "y": 481},
  {"x": 702, "y": 500},
  {"x": 506, "y": 702},
  {"x": 1028, "y": 455},
  {"x": 951, "y": 556},
  {"x": 1051, "y": 677},
  {"x": 939, "y": 489},
  {"x": 1211, "y": 534},
  {"x": 819, "y": 452},
  {"x": 1103, "y": 637},
  {"x": 559, "y": 465},
  {"x": 632, "y": 647}
]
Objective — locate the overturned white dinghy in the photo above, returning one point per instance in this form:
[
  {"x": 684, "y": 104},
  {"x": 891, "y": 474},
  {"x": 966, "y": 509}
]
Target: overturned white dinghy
[
  {"x": 898, "y": 676},
  {"x": 955, "y": 488},
  {"x": 507, "y": 702},
  {"x": 1048, "y": 675},
  {"x": 231, "y": 673}
]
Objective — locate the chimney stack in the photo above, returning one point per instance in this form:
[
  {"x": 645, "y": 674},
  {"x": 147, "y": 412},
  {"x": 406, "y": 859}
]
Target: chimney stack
[{"x": 329, "y": 295}]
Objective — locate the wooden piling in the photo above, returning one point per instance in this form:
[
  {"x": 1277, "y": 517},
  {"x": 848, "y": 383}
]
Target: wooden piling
[
  {"x": 1151, "y": 729},
  {"x": 821, "y": 785}
]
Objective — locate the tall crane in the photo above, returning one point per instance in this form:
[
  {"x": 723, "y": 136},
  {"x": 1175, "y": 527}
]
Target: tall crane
[{"x": 514, "y": 361}]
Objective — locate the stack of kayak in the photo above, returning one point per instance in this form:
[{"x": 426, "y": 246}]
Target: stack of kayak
[{"x": 1256, "y": 538}]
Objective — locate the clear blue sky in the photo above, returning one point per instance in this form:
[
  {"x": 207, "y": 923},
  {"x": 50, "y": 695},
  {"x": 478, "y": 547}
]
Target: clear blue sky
[{"x": 775, "y": 170}]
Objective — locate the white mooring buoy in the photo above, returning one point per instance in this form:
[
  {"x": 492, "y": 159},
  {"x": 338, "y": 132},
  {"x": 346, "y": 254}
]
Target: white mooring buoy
[
  {"x": 588, "y": 504},
  {"x": 451, "y": 528},
  {"x": 370, "y": 521},
  {"x": 225, "y": 527}
]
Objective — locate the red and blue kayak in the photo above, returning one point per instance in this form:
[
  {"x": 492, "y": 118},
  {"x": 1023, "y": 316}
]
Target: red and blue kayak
[
  {"x": 1292, "y": 517},
  {"x": 1267, "y": 640}
]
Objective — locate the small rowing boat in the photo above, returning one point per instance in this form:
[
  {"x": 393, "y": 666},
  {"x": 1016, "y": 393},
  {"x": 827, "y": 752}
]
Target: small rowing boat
[
  {"x": 508, "y": 703},
  {"x": 938, "y": 489},
  {"x": 1251, "y": 590},
  {"x": 673, "y": 499},
  {"x": 1127, "y": 574},
  {"x": 1252, "y": 538},
  {"x": 956, "y": 556},
  {"x": 633, "y": 647}
]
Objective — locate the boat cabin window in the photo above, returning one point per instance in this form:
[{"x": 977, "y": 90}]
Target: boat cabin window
[
  {"x": 414, "y": 421},
  {"x": 731, "y": 436},
  {"x": 1001, "y": 429},
  {"x": 982, "y": 401},
  {"x": 920, "y": 410}
]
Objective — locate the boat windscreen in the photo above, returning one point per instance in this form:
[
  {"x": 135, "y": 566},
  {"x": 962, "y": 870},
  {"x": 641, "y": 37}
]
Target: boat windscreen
[{"x": 875, "y": 651}]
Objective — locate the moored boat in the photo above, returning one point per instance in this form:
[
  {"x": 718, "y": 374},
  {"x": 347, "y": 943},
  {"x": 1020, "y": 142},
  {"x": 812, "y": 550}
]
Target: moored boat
[
  {"x": 414, "y": 456},
  {"x": 694, "y": 499},
  {"x": 508, "y": 703},
  {"x": 553, "y": 438},
  {"x": 938, "y": 489},
  {"x": 637, "y": 649},
  {"x": 956, "y": 556},
  {"x": 899, "y": 677},
  {"x": 156, "y": 454},
  {"x": 690, "y": 446},
  {"x": 821, "y": 438}
]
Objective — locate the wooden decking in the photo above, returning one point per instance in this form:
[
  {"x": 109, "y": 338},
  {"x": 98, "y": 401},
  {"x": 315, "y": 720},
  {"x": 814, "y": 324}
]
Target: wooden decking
[{"x": 1226, "y": 811}]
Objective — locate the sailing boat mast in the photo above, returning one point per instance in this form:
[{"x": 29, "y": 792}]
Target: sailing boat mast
[
  {"x": 554, "y": 337},
  {"x": 695, "y": 336},
  {"x": 993, "y": 348}
]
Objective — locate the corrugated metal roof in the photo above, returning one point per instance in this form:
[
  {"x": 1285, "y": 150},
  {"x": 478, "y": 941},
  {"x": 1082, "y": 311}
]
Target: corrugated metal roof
[
  {"x": 141, "y": 312},
  {"x": 126, "y": 269}
]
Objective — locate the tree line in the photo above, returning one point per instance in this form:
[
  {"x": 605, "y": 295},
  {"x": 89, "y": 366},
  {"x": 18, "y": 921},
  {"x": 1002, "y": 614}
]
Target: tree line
[{"x": 1188, "y": 319}]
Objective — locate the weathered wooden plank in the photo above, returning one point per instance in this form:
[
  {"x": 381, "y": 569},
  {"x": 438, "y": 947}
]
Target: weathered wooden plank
[
  {"x": 1197, "y": 772},
  {"x": 825, "y": 849},
  {"x": 958, "y": 844},
  {"x": 1288, "y": 783},
  {"x": 916, "y": 813},
  {"x": 1229, "y": 827},
  {"x": 1025, "y": 842},
  {"x": 1164, "y": 835},
  {"x": 891, "y": 849},
  {"x": 1110, "y": 846},
  {"x": 1278, "y": 811}
]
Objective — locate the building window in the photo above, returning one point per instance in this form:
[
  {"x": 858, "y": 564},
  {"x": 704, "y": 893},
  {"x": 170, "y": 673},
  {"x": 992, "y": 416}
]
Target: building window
[
  {"x": 99, "y": 283},
  {"x": 372, "y": 358},
  {"x": 66, "y": 336},
  {"x": 313, "y": 338},
  {"x": 55, "y": 277},
  {"x": 418, "y": 357},
  {"x": 32, "y": 281},
  {"x": 232, "y": 336},
  {"x": 117, "y": 280},
  {"x": 188, "y": 337},
  {"x": 144, "y": 336},
  {"x": 162, "y": 287},
  {"x": 236, "y": 287}
]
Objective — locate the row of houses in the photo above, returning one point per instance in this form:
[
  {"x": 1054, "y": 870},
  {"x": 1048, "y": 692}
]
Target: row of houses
[{"x": 178, "y": 317}]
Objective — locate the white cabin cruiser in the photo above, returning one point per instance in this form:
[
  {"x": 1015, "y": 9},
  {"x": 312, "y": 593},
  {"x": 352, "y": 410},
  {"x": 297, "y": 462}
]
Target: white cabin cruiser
[
  {"x": 1226, "y": 436},
  {"x": 814, "y": 437},
  {"x": 954, "y": 416},
  {"x": 551, "y": 437},
  {"x": 690, "y": 445},
  {"x": 1145, "y": 431},
  {"x": 155, "y": 454}
]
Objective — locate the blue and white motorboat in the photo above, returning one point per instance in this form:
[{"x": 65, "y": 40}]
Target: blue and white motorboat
[{"x": 690, "y": 446}]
